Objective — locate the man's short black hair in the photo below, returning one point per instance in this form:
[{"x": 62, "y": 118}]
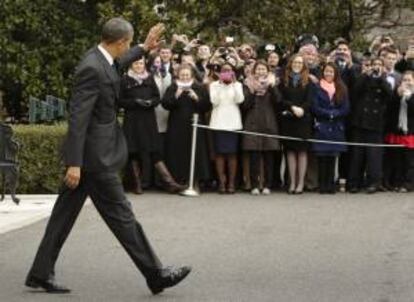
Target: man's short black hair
[
  {"x": 341, "y": 41},
  {"x": 116, "y": 29}
]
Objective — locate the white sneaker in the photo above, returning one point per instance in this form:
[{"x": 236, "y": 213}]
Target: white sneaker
[
  {"x": 266, "y": 191},
  {"x": 255, "y": 191}
]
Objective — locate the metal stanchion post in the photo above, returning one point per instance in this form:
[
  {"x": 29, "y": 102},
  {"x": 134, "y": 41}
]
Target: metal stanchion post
[{"x": 191, "y": 192}]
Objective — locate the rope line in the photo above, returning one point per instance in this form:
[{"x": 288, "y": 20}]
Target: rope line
[{"x": 311, "y": 140}]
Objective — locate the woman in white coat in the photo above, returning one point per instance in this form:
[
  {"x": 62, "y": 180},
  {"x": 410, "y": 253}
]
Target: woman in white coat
[{"x": 226, "y": 94}]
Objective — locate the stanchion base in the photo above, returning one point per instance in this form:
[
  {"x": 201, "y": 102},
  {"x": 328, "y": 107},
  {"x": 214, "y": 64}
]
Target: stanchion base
[{"x": 190, "y": 192}]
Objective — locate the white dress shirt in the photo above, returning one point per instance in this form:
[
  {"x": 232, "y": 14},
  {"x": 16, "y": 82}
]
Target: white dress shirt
[{"x": 106, "y": 54}]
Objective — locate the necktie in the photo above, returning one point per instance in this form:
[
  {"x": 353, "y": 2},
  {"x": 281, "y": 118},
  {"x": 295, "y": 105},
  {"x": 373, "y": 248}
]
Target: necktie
[{"x": 115, "y": 66}]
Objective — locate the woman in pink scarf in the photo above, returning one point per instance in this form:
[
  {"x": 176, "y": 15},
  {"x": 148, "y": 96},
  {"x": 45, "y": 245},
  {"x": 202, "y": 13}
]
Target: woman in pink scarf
[{"x": 329, "y": 106}]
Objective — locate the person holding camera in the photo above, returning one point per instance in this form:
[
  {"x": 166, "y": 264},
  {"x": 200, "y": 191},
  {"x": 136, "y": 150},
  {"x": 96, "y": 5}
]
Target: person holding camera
[
  {"x": 368, "y": 120},
  {"x": 262, "y": 99},
  {"x": 182, "y": 99},
  {"x": 246, "y": 52},
  {"x": 226, "y": 95},
  {"x": 203, "y": 57},
  {"x": 296, "y": 119},
  {"x": 139, "y": 97},
  {"x": 401, "y": 112},
  {"x": 329, "y": 107}
]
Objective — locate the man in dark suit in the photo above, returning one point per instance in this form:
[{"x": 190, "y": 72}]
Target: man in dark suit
[{"x": 94, "y": 151}]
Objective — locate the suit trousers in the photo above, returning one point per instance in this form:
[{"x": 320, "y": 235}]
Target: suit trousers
[{"x": 107, "y": 194}]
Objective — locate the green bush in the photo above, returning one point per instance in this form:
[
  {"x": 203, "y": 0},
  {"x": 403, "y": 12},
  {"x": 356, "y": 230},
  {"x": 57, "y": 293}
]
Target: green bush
[{"x": 39, "y": 157}]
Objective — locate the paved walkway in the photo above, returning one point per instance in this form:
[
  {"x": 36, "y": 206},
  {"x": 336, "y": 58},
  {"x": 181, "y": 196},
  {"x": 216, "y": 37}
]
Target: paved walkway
[
  {"x": 278, "y": 248},
  {"x": 32, "y": 208}
]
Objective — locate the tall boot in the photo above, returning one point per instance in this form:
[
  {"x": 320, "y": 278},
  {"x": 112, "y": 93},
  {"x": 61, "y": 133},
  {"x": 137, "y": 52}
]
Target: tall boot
[
  {"x": 171, "y": 185},
  {"x": 136, "y": 178},
  {"x": 220, "y": 167}
]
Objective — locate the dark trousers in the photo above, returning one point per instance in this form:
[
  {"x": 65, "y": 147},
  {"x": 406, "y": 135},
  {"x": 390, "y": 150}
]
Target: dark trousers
[
  {"x": 344, "y": 157},
  {"x": 372, "y": 155},
  {"x": 389, "y": 168},
  {"x": 268, "y": 164},
  {"x": 326, "y": 174},
  {"x": 107, "y": 194},
  {"x": 403, "y": 168}
]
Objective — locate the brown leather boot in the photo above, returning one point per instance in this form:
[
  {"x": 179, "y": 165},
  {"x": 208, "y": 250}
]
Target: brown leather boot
[
  {"x": 171, "y": 185},
  {"x": 136, "y": 178}
]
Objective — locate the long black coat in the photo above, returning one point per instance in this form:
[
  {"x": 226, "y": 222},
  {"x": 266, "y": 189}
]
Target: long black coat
[
  {"x": 140, "y": 124},
  {"x": 291, "y": 125},
  {"x": 370, "y": 103},
  {"x": 179, "y": 133},
  {"x": 260, "y": 115}
]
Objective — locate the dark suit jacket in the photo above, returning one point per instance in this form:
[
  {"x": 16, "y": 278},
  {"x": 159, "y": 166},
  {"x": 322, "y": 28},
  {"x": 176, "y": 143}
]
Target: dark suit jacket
[{"x": 95, "y": 141}]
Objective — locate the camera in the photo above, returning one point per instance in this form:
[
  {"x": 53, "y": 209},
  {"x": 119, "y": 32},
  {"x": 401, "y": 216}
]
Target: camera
[
  {"x": 222, "y": 50},
  {"x": 340, "y": 62},
  {"x": 214, "y": 67},
  {"x": 376, "y": 73}
]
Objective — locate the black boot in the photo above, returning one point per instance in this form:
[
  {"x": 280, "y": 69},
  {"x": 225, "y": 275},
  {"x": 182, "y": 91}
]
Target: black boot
[{"x": 172, "y": 185}]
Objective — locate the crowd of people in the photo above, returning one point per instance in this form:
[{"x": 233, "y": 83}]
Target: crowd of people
[{"x": 307, "y": 93}]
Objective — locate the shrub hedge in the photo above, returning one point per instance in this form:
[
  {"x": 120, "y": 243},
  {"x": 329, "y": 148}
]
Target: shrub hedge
[{"x": 39, "y": 157}]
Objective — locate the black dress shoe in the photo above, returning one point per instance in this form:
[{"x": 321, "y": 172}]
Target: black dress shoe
[
  {"x": 48, "y": 285},
  {"x": 353, "y": 190},
  {"x": 167, "y": 277}
]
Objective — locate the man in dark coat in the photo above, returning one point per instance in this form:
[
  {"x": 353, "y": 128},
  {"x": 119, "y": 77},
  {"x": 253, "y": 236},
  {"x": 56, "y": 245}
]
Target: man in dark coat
[
  {"x": 368, "y": 121},
  {"x": 349, "y": 70},
  {"x": 95, "y": 150}
]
